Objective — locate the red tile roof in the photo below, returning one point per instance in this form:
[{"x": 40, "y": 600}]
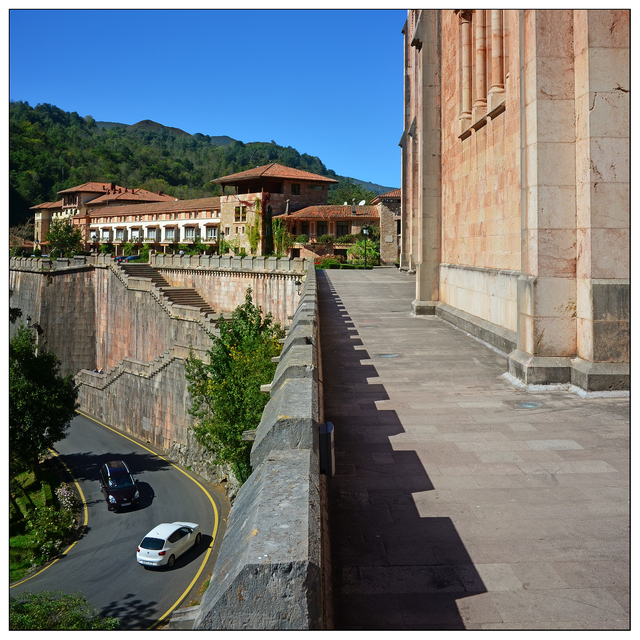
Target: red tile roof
[
  {"x": 48, "y": 205},
  {"x": 273, "y": 170},
  {"x": 396, "y": 193},
  {"x": 332, "y": 212},
  {"x": 130, "y": 195},
  {"x": 176, "y": 206},
  {"x": 90, "y": 187}
]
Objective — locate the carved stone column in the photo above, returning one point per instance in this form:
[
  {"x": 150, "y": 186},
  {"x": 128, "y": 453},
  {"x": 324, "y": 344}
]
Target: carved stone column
[
  {"x": 480, "y": 102},
  {"x": 496, "y": 92},
  {"x": 465, "y": 70}
]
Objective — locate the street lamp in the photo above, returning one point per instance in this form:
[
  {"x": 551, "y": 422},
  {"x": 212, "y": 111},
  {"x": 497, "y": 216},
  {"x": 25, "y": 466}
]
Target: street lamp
[{"x": 221, "y": 243}]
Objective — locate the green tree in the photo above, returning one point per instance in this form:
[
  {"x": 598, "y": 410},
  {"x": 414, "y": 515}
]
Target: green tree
[
  {"x": 226, "y": 392},
  {"x": 64, "y": 239},
  {"x": 282, "y": 239},
  {"x": 41, "y": 401},
  {"x": 56, "y": 611}
]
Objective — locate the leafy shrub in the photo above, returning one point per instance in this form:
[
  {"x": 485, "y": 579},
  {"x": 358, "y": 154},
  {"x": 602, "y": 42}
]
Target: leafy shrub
[
  {"x": 50, "y": 527},
  {"x": 329, "y": 263},
  {"x": 326, "y": 238},
  {"x": 302, "y": 238},
  {"x": 66, "y": 497},
  {"x": 348, "y": 239},
  {"x": 46, "y": 610}
]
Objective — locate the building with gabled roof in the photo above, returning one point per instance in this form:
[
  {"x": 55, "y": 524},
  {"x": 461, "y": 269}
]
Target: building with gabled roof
[
  {"x": 253, "y": 197},
  {"x": 76, "y": 202}
]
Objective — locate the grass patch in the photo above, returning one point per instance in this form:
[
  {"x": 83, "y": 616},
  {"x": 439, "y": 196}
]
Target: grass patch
[{"x": 28, "y": 494}]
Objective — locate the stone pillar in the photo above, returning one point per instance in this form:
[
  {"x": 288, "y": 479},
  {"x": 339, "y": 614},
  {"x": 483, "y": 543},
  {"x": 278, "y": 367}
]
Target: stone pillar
[
  {"x": 601, "y": 46},
  {"x": 496, "y": 93},
  {"x": 465, "y": 79},
  {"x": 429, "y": 211},
  {"x": 480, "y": 102},
  {"x": 546, "y": 339}
]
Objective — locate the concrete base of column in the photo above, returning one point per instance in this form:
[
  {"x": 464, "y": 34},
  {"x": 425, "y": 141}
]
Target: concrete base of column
[
  {"x": 422, "y": 308},
  {"x": 600, "y": 376},
  {"x": 538, "y": 369}
]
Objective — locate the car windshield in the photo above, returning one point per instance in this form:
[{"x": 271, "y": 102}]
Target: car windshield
[
  {"x": 120, "y": 482},
  {"x": 154, "y": 544}
]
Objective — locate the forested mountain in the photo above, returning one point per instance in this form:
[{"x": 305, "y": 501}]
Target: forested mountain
[{"x": 51, "y": 150}]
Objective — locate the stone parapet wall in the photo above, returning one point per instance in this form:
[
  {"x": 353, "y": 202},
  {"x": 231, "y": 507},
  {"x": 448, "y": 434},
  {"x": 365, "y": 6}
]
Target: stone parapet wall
[{"x": 272, "y": 562}]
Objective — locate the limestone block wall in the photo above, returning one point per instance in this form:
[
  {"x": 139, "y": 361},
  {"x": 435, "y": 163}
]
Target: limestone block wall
[
  {"x": 601, "y": 48},
  {"x": 490, "y": 294},
  {"x": 62, "y": 302},
  {"x": 480, "y": 172},
  {"x": 92, "y": 316},
  {"x": 147, "y": 400},
  {"x": 388, "y": 235},
  {"x": 131, "y": 324},
  {"x": 223, "y": 280}
]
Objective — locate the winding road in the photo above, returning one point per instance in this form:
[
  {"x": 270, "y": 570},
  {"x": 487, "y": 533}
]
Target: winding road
[{"x": 102, "y": 563}]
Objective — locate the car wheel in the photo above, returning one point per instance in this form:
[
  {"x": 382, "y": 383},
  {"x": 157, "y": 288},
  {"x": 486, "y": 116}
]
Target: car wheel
[
  {"x": 170, "y": 561},
  {"x": 198, "y": 538}
]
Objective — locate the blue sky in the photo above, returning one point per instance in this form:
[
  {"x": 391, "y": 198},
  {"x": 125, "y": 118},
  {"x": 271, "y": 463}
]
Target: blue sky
[{"x": 326, "y": 82}]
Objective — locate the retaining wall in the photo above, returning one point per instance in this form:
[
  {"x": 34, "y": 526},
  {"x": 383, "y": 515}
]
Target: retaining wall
[{"x": 273, "y": 564}]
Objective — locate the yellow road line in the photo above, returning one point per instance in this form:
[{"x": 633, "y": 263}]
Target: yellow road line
[
  {"x": 84, "y": 524},
  {"x": 213, "y": 504},
  {"x": 86, "y": 517}
]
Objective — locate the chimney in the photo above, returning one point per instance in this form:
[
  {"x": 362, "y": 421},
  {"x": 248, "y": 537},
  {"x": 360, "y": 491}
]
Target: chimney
[
  {"x": 287, "y": 208},
  {"x": 353, "y": 207}
]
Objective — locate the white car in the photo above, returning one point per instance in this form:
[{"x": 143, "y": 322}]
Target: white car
[{"x": 166, "y": 542}]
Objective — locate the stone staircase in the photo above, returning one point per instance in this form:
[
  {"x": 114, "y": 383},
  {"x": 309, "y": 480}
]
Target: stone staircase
[
  {"x": 143, "y": 270},
  {"x": 184, "y": 297},
  {"x": 188, "y": 298}
]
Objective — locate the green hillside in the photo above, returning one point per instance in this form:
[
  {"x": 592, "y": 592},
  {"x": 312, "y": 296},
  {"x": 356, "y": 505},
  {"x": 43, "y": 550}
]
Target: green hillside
[{"x": 51, "y": 150}]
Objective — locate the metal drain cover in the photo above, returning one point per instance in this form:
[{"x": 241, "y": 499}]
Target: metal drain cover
[{"x": 387, "y": 355}]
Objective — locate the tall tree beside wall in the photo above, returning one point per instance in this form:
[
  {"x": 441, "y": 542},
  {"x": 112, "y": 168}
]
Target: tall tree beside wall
[
  {"x": 42, "y": 403},
  {"x": 226, "y": 392}
]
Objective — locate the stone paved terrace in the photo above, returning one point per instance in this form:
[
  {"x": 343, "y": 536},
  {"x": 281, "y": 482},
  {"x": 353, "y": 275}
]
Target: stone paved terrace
[{"x": 452, "y": 507}]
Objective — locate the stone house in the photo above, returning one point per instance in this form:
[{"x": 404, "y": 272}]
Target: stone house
[
  {"x": 390, "y": 225},
  {"x": 334, "y": 220},
  {"x": 515, "y": 185},
  {"x": 257, "y": 195}
]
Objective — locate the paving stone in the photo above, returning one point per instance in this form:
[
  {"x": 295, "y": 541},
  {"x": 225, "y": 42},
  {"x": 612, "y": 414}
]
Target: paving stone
[{"x": 452, "y": 508}]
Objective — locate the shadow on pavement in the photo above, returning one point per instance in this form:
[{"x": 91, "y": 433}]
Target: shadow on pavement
[{"x": 392, "y": 568}]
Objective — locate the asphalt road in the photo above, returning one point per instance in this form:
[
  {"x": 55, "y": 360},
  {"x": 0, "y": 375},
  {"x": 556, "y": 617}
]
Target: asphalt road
[{"x": 102, "y": 563}]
